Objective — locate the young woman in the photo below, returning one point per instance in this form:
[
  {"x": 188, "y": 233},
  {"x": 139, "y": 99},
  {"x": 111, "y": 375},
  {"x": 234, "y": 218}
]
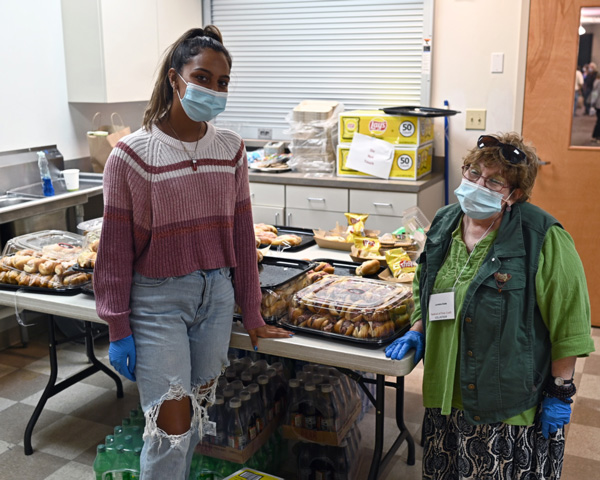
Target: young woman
[{"x": 177, "y": 250}]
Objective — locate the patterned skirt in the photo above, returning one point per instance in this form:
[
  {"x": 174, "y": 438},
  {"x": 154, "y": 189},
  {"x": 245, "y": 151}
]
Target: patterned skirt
[{"x": 454, "y": 449}]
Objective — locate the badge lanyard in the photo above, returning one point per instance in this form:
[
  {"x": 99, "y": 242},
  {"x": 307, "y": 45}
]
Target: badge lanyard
[{"x": 441, "y": 305}]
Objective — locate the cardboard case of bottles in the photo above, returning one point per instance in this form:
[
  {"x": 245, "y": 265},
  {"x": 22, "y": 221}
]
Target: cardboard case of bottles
[
  {"x": 318, "y": 436},
  {"x": 235, "y": 455},
  {"x": 396, "y": 129},
  {"x": 410, "y": 162}
]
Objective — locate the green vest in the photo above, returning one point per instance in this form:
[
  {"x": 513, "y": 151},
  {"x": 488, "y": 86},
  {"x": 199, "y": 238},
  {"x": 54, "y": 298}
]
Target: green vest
[{"x": 505, "y": 350}]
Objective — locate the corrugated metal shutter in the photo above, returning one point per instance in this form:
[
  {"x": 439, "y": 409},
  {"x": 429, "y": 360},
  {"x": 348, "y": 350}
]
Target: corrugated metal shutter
[{"x": 361, "y": 53}]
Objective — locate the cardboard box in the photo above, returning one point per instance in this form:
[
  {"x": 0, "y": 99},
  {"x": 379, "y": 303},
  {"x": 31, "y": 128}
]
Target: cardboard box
[
  {"x": 239, "y": 456},
  {"x": 250, "y": 473},
  {"x": 396, "y": 129},
  {"x": 410, "y": 163},
  {"x": 338, "y": 231},
  {"x": 317, "y": 436}
]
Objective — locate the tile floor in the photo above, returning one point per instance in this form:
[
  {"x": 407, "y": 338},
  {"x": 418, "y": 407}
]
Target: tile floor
[{"x": 76, "y": 420}]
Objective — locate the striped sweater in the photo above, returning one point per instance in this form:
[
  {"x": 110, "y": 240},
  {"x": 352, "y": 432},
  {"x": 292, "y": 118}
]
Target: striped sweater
[{"x": 163, "y": 219}]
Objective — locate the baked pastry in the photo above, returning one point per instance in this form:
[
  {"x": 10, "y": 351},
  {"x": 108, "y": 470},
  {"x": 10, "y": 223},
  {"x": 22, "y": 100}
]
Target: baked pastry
[
  {"x": 87, "y": 259},
  {"x": 287, "y": 239},
  {"x": 368, "y": 268},
  {"x": 265, "y": 238},
  {"x": 259, "y": 256},
  {"x": 32, "y": 266},
  {"x": 265, "y": 227}
]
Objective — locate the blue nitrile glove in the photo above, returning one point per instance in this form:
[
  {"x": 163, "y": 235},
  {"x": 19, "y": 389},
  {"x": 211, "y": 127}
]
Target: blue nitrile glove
[
  {"x": 121, "y": 354},
  {"x": 400, "y": 346},
  {"x": 555, "y": 414}
]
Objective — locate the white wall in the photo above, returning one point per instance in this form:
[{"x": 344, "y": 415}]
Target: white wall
[
  {"x": 35, "y": 111},
  {"x": 466, "y": 33}
]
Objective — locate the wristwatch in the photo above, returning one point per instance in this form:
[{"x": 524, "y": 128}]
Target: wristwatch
[{"x": 560, "y": 381}]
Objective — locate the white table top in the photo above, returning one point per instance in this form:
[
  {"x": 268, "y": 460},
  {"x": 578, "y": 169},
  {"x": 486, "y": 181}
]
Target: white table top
[{"x": 300, "y": 346}]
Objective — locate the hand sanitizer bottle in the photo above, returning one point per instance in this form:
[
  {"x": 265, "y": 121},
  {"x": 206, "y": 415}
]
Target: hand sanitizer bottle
[{"x": 45, "y": 174}]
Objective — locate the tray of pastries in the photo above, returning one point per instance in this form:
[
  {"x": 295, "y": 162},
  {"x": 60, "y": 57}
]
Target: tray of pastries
[
  {"x": 288, "y": 239},
  {"x": 43, "y": 261},
  {"x": 279, "y": 278},
  {"x": 355, "y": 309}
]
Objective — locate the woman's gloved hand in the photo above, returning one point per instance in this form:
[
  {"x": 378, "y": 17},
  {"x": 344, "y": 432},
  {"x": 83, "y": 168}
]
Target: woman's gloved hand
[
  {"x": 555, "y": 414},
  {"x": 121, "y": 354},
  {"x": 399, "y": 348}
]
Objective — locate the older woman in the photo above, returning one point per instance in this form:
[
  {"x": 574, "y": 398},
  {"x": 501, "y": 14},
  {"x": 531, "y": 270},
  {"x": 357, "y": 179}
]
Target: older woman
[{"x": 503, "y": 304}]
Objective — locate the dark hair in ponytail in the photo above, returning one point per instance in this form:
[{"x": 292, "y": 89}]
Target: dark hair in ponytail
[{"x": 190, "y": 44}]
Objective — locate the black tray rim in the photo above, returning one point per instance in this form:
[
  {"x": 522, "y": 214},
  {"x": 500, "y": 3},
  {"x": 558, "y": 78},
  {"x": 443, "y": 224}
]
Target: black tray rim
[
  {"x": 52, "y": 291},
  {"x": 425, "y": 111},
  {"x": 274, "y": 260},
  {"x": 344, "y": 338},
  {"x": 305, "y": 232}
]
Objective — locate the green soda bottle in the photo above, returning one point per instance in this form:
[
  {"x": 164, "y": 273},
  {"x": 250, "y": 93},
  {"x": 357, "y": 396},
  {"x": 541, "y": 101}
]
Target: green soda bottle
[{"x": 102, "y": 462}]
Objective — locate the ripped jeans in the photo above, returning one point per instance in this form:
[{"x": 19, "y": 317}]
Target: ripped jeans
[{"x": 181, "y": 327}]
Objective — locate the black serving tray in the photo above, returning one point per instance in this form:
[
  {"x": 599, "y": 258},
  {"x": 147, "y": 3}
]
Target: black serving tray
[
  {"x": 307, "y": 235},
  {"x": 347, "y": 268},
  {"x": 368, "y": 342},
  {"x": 416, "y": 111},
  {"x": 52, "y": 291},
  {"x": 274, "y": 272}
]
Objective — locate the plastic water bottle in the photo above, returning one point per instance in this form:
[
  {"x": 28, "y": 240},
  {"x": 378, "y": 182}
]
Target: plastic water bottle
[
  {"x": 216, "y": 414},
  {"x": 236, "y": 435},
  {"x": 327, "y": 417},
  {"x": 295, "y": 416},
  {"x": 45, "y": 175},
  {"x": 267, "y": 400},
  {"x": 246, "y": 416},
  {"x": 102, "y": 462},
  {"x": 308, "y": 407}
]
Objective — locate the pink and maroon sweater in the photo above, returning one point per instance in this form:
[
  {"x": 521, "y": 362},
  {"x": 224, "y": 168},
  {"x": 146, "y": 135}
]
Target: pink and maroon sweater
[{"x": 163, "y": 219}]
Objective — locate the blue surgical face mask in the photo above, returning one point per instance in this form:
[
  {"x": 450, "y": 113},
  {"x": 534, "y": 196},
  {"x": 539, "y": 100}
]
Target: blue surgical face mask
[
  {"x": 202, "y": 104},
  {"x": 478, "y": 202}
]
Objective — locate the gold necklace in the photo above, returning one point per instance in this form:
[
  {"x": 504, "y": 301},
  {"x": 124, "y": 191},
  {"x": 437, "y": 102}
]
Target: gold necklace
[{"x": 190, "y": 156}]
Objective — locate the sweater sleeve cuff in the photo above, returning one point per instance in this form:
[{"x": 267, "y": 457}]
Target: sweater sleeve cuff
[{"x": 252, "y": 321}]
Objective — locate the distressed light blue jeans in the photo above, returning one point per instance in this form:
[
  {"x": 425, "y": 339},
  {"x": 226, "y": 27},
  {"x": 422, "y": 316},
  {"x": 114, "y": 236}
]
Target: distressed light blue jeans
[{"x": 181, "y": 328}]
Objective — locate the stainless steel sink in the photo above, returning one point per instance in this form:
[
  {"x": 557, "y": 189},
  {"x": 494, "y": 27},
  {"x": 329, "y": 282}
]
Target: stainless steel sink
[
  {"x": 36, "y": 190},
  {"x": 9, "y": 201}
]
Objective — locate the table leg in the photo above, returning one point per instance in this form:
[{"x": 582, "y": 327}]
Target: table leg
[
  {"x": 53, "y": 388},
  {"x": 379, "y": 418}
]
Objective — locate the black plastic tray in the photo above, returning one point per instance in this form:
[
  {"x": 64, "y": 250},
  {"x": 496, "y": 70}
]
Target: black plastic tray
[
  {"x": 52, "y": 291},
  {"x": 275, "y": 272},
  {"x": 347, "y": 268},
  {"x": 368, "y": 342},
  {"x": 307, "y": 235},
  {"x": 416, "y": 111}
]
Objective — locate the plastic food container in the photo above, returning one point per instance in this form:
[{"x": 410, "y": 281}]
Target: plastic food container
[
  {"x": 43, "y": 261},
  {"x": 95, "y": 224},
  {"x": 280, "y": 278},
  {"x": 358, "y": 309}
]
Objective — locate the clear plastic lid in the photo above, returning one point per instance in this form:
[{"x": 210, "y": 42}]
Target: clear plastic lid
[
  {"x": 43, "y": 259},
  {"x": 352, "y": 306},
  {"x": 95, "y": 224}
]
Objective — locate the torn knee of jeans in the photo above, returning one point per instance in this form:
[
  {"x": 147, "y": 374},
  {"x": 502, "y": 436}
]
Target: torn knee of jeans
[
  {"x": 203, "y": 396},
  {"x": 153, "y": 431}
]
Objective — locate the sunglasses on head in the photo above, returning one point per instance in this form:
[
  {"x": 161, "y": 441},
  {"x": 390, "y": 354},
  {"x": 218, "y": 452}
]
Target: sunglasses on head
[{"x": 509, "y": 152}]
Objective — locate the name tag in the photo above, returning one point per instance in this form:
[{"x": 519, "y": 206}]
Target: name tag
[{"x": 441, "y": 306}]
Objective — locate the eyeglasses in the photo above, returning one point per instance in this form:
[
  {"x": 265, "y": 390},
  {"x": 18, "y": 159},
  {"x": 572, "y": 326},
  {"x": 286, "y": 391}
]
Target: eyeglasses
[
  {"x": 473, "y": 174},
  {"x": 509, "y": 152}
]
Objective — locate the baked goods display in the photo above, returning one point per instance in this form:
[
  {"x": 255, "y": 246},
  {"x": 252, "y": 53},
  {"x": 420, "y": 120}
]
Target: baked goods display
[
  {"x": 43, "y": 260},
  {"x": 87, "y": 258},
  {"x": 269, "y": 235},
  {"x": 356, "y": 307}
]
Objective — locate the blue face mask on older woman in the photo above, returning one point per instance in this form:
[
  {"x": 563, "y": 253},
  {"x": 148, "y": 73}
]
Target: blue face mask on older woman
[
  {"x": 477, "y": 201},
  {"x": 202, "y": 104}
]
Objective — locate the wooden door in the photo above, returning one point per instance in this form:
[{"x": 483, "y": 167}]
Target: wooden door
[{"x": 568, "y": 188}]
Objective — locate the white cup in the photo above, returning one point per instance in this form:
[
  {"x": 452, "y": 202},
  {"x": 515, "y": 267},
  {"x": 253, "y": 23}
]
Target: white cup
[{"x": 71, "y": 177}]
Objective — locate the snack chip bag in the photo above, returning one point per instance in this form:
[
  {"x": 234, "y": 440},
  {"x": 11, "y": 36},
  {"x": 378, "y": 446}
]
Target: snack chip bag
[
  {"x": 400, "y": 262},
  {"x": 356, "y": 225},
  {"x": 367, "y": 246}
]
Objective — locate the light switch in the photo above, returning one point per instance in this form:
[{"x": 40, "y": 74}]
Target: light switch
[
  {"x": 497, "y": 62},
  {"x": 475, "y": 119}
]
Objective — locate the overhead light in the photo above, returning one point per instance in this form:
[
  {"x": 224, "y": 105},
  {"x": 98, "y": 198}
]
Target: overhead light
[{"x": 581, "y": 30}]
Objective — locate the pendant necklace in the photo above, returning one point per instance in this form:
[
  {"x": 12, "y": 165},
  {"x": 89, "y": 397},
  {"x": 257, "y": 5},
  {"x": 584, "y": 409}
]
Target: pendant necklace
[{"x": 190, "y": 156}]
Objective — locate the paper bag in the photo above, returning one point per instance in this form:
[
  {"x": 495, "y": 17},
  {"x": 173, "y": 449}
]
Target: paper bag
[{"x": 103, "y": 138}]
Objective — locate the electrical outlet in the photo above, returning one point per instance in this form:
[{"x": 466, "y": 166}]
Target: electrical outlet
[{"x": 475, "y": 120}]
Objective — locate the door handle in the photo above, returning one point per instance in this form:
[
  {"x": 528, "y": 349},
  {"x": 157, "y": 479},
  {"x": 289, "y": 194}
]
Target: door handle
[
  {"x": 316, "y": 199},
  {"x": 289, "y": 220},
  {"x": 277, "y": 218},
  {"x": 379, "y": 204}
]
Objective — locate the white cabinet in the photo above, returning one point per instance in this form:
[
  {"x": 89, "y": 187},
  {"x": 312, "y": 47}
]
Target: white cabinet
[
  {"x": 268, "y": 203},
  {"x": 381, "y": 203},
  {"x": 112, "y": 48},
  {"x": 317, "y": 198},
  {"x": 298, "y": 217}
]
